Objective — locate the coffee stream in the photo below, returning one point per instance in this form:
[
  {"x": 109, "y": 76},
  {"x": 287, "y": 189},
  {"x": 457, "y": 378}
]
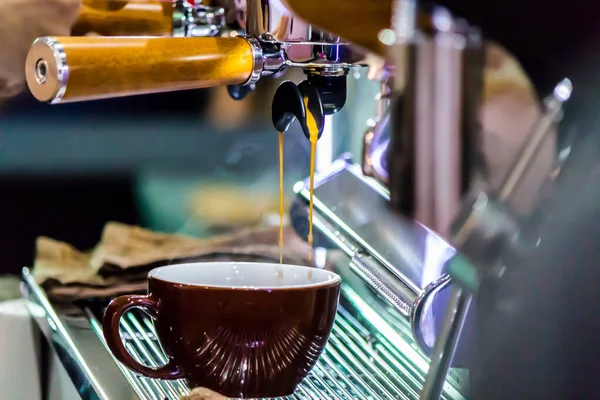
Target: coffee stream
[
  {"x": 313, "y": 131},
  {"x": 280, "y": 197}
]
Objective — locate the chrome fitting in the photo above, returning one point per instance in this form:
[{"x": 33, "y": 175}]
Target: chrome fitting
[
  {"x": 259, "y": 61},
  {"x": 196, "y": 21},
  {"x": 47, "y": 80}
]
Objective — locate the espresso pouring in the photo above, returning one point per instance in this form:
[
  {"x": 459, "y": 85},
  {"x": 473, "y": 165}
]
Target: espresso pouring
[{"x": 313, "y": 137}]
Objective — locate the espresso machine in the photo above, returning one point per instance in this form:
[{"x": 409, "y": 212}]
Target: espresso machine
[{"x": 415, "y": 227}]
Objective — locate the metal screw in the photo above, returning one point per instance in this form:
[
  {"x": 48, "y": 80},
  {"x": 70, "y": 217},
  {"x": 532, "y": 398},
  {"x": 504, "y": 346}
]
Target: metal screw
[{"x": 41, "y": 71}]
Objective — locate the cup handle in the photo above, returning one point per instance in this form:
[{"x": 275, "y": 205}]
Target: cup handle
[{"x": 110, "y": 328}]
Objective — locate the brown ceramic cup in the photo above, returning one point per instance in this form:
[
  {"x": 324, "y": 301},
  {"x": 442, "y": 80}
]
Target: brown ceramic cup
[{"x": 245, "y": 330}]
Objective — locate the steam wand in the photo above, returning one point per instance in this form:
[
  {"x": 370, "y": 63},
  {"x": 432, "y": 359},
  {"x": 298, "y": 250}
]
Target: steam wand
[{"x": 482, "y": 230}]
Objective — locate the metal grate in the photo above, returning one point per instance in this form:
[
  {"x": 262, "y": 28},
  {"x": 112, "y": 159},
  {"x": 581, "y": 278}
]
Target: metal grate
[{"x": 359, "y": 362}]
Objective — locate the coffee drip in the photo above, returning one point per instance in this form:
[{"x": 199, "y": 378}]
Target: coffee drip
[
  {"x": 313, "y": 136},
  {"x": 280, "y": 197},
  {"x": 303, "y": 103}
]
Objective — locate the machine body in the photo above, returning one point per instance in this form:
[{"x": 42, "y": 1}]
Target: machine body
[
  {"x": 275, "y": 40},
  {"x": 422, "y": 158}
]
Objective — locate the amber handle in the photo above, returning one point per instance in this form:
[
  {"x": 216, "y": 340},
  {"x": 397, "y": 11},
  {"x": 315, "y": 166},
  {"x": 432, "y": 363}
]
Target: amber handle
[
  {"x": 357, "y": 21},
  {"x": 68, "y": 69},
  {"x": 124, "y": 18},
  {"x": 110, "y": 327}
]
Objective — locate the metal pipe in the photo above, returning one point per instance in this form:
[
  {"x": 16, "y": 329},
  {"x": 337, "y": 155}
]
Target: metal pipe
[
  {"x": 445, "y": 345},
  {"x": 553, "y": 105}
]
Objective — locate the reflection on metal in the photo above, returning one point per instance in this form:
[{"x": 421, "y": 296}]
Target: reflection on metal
[
  {"x": 370, "y": 354},
  {"x": 401, "y": 260},
  {"x": 375, "y": 144},
  {"x": 61, "y": 341},
  {"x": 197, "y": 20},
  {"x": 289, "y": 41},
  {"x": 426, "y": 338}
]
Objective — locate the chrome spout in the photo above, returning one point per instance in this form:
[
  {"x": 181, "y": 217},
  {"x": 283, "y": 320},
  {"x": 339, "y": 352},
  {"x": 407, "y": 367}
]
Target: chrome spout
[
  {"x": 301, "y": 44},
  {"x": 271, "y": 19}
]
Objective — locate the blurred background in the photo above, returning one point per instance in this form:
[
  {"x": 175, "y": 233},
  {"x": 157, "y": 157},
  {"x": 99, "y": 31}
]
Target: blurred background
[
  {"x": 177, "y": 162},
  {"x": 170, "y": 161}
]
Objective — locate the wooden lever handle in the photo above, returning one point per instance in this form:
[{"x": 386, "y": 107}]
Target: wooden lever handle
[
  {"x": 357, "y": 21},
  {"x": 67, "y": 69},
  {"x": 125, "y": 18}
]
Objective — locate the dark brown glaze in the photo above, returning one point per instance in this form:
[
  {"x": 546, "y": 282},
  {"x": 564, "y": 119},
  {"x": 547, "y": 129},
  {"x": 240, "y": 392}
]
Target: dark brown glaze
[
  {"x": 110, "y": 328},
  {"x": 242, "y": 343}
]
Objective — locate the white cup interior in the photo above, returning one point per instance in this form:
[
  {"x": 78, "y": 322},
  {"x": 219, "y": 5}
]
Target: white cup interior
[{"x": 245, "y": 275}]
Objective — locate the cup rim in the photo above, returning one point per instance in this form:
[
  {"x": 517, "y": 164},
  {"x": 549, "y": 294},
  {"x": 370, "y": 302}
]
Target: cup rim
[{"x": 336, "y": 279}]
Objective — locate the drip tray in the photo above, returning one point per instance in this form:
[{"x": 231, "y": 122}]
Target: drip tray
[{"x": 370, "y": 354}]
